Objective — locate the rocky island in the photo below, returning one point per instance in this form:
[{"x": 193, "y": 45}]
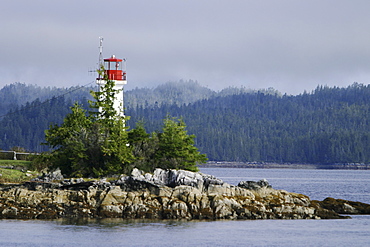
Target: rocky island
[{"x": 165, "y": 194}]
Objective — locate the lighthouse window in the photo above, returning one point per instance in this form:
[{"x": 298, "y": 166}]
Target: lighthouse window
[
  {"x": 107, "y": 65},
  {"x": 113, "y": 65}
]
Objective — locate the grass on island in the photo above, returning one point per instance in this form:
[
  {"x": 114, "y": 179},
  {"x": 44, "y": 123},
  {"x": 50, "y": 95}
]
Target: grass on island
[
  {"x": 23, "y": 163},
  {"x": 23, "y": 171},
  {"x": 20, "y": 174}
]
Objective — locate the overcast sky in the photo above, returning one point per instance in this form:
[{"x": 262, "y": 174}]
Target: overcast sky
[{"x": 290, "y": 45}]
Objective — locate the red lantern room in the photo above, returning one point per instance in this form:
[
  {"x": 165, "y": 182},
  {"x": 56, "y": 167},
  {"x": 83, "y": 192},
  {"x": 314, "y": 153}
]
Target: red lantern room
[{"x": 113, "y": 69}]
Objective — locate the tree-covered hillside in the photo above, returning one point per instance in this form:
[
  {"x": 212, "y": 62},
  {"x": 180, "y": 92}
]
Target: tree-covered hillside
[
  {"x": 180, "y": 93},
  {"x": 19, "y": 94},
  {"x": 328, "y": 125},
  {"x": 26, "y": 111}
]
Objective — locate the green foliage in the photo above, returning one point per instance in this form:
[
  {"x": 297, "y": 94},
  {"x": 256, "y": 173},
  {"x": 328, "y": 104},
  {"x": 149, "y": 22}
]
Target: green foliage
[
  {"x": 114, "y": 146},
  {"x": 25, "y": 126},
  {"x": 172, "y": 148},
  {"x": 182, "y": 93},
  {"x": 42, "y": 162},
  {"x": 68, "y": 142},
  {"x": 179, "y": 93},
  {"x": 15, "y": 95},
  {"x": 176, "y": 148},
  {"x": 31, "y": 108},
  {"x": 329, "y": 125},
  {"x": 144, "y": 146},
  {"x": 90, "y": 145}
]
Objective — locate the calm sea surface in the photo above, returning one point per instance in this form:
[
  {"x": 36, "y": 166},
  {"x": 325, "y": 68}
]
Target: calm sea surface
[{"x": 318, "y": 184}]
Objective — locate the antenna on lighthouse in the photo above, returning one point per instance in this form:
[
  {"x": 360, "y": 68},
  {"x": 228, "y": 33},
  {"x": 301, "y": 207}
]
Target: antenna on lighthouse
[
  {"x": 100, "y": 52},
  {"x": 112, "y": 72}
]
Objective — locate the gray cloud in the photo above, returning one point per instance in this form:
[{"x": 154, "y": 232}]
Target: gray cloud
[{"x": 286, "y": 44}]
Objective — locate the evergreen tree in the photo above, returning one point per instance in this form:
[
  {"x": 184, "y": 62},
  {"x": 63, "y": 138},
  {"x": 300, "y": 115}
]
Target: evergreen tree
[
  {"x": 176, "y": 148},
  {"x": 328, "y": 125},
  {"x": 172, "y": 148},
  {"x": 144, "y": 146},
  {"x": 111, "y": 125},
  {"x": 93, "y": 145},
  {"x": 70, "y": 143}
]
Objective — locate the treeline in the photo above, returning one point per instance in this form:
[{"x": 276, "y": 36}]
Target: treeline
[
  {"x": 180, "y": 93},
  {"x": 24, "y": 127},
  {"x": 19, "y": 94},
  {"x": 26, "y": 111},
  {"x": 328, "y": 125},
  {"x": 95, "y": 143}
]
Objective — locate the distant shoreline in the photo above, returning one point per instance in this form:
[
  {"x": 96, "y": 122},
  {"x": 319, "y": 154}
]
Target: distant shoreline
[{"x": 266, "y": 165}]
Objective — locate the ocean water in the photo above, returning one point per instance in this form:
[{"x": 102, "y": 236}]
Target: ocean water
[
  {"x": 353, "y": 185},
  {"x": 318, "y": 184}
]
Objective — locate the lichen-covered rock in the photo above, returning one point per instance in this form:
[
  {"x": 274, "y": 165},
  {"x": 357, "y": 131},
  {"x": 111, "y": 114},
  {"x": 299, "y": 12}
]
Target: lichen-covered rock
[
  {"x": 165, "y": 194},
  {"x": 344, "y": 206},
  {"x": 171, "y": 178},
  {"x": 252, "y": 185},
  {"x": 51, "y": 176}
]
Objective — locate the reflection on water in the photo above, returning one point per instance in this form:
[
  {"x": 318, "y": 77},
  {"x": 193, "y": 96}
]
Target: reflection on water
[
  {"x": 122, "y": 223},
  {"x": 116, "y": 232}
]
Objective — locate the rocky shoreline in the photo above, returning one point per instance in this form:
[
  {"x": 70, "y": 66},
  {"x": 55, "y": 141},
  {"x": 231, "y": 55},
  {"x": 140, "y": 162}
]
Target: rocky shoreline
[{"x": 165, "y": 194}]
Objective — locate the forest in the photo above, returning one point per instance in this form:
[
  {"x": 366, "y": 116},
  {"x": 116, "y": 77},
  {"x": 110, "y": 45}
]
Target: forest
[{"x": 328, "y": 125}]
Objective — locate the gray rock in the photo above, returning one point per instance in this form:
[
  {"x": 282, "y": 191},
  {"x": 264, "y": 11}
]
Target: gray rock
[
  {"x": 165, "y": 194},
  {"x": 173, "y": 178},
  {"x": 10, "y": 212},
  {"x": 40, "y": 185},
  {"x": 252, "y": 185},
  {"x": 182, "y": 177},
  {"x": 102, "y": 183},
  {"x": 72, "y": 181},
  {"x": 136, "y": 173},
  {"x": 51, "y": 176}
]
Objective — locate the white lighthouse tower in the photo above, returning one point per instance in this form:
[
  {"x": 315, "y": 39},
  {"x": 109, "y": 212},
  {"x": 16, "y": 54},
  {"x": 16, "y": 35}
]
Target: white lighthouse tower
[{"x": 114, "y": 70}]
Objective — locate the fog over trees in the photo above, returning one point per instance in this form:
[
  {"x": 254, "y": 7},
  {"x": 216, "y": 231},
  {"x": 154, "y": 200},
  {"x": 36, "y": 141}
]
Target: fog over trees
[{"x": 327, "y": 125}]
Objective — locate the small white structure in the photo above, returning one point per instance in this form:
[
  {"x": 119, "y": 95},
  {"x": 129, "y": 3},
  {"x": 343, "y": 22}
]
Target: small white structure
[{"x": 113, "y": 71}]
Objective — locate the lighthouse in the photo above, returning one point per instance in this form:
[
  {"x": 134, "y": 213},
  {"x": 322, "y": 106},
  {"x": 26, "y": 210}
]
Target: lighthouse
[{"x": 114, "y": 70}]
